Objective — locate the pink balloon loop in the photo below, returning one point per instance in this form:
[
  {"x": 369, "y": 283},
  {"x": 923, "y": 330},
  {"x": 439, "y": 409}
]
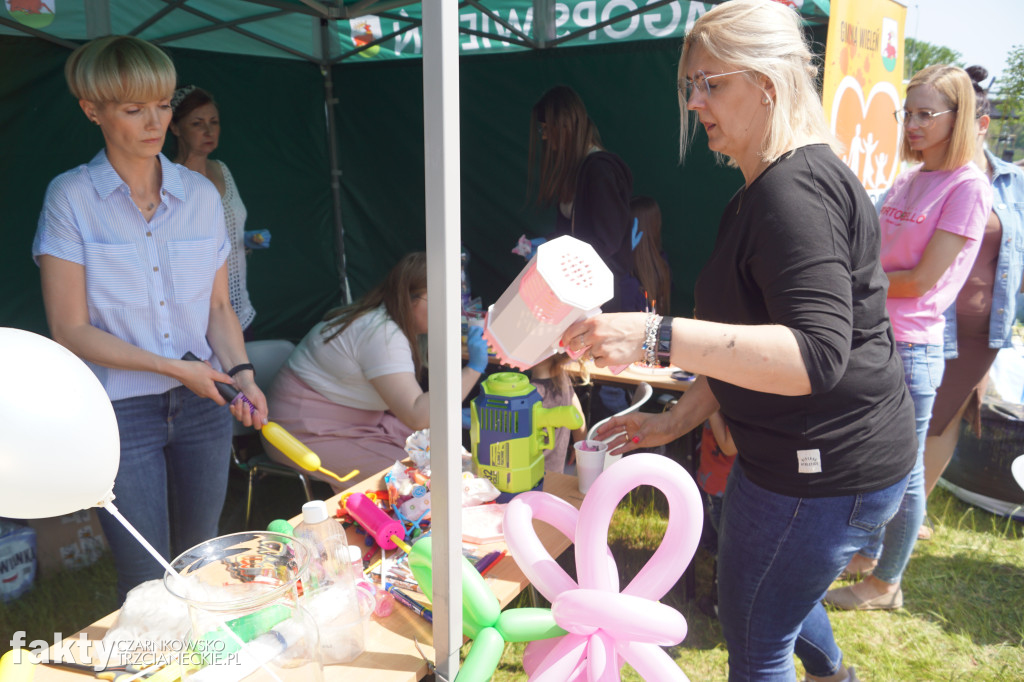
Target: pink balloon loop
[
  {"x": 685, "y": 518},
  {"x": 621, "y": 616},
  {"x": 606, "y": 627}
]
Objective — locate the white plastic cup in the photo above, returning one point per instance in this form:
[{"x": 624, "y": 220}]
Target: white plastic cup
[
  {"x": 590, "y": 456},
  {"x": 610, "y": 459}
]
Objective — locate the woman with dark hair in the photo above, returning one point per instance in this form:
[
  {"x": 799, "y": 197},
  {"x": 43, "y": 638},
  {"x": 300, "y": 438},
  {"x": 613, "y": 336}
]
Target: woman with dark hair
[
  {"x": 932, "y": 223},
  {"x": 650, "y": 266},
  {"x": 196, "y": 125},
  {"x": 350, "y": 390},
  {"x": 590, "y": 186},
  {"x": 131, "y": 250}
]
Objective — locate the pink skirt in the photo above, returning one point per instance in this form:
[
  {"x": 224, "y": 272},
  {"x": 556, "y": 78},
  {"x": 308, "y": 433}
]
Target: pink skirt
[{"x": 344, "y": 438}]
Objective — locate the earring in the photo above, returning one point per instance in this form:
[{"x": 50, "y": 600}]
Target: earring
[{"x": 764, "y": 100}]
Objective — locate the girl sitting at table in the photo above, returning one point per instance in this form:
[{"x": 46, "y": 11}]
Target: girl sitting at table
[
  {"x": 350, "y": 391},
  {"x": 553, "y": 383}
]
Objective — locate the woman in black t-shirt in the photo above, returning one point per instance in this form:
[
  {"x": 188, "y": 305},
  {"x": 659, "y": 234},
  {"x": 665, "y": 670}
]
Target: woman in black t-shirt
[
  {"x": 791, "y": 342},
  {"x": 591, "y": 189}
]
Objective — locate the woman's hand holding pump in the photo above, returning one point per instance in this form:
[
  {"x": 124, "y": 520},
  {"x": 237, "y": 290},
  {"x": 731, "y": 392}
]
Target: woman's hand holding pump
[{"x": 288, "y": 444}]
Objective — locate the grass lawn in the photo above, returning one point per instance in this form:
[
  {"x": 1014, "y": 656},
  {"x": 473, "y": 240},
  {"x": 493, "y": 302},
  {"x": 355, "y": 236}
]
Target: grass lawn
[{"x": 963, "y": 620}]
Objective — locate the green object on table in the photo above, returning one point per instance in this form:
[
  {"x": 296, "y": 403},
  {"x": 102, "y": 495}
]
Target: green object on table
[
  {"x": 281, "y": 526},
  {"x": 482, "y": 618},
  {"x": 247, "y": 628}
]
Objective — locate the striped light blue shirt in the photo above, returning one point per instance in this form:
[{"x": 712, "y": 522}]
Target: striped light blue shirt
[{"x": 146, "y": 283}]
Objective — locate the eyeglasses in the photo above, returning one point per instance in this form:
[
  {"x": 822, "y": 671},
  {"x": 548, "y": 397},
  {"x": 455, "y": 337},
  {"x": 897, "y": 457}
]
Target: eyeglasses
[
  {"x": 922, "y": 119},
  {"x": 700, "y": 82}
]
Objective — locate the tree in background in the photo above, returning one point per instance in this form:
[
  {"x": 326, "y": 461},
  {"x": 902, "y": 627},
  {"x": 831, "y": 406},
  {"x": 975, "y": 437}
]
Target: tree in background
[
  {"x": 919, "y": 54},
  {"x": 1008, "y": 97}
]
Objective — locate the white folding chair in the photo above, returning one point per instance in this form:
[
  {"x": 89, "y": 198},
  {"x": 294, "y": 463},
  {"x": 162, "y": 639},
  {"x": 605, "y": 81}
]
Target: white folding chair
[{"x": 267, "y": 356}]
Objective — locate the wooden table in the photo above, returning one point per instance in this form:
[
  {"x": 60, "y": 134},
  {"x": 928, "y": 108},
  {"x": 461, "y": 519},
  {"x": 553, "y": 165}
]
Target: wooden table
[
  {"x": 390, "y": 654},
  {"x": 659, "y": 379}
]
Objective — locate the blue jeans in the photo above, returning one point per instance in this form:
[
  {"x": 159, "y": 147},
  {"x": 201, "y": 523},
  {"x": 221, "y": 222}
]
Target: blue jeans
[
  {"x": 923, "y": 366},
  {"x": 172, "y": 479},
  {"x": 777, "y": 555}
]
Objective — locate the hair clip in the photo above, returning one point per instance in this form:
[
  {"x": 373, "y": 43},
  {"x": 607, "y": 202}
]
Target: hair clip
[{"x": 179, "y": 96}]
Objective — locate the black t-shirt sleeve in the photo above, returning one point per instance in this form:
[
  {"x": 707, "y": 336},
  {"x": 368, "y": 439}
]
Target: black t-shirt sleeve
[
  {"x": 601, "y": 205},
  {"x": 801, "y": 263}
]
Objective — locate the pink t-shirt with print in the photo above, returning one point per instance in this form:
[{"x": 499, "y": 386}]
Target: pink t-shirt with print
[{"x": 919, "y": 203}]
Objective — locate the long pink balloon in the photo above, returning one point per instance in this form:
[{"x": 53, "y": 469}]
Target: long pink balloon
[
  {"x": 526, "y": 548},
  {"x": 685, "y": 517}
]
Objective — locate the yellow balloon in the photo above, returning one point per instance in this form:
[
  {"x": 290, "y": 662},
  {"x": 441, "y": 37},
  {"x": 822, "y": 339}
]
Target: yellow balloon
[
  {"x": 22, "y": 671},
  {"x": 291, "y": 446}
]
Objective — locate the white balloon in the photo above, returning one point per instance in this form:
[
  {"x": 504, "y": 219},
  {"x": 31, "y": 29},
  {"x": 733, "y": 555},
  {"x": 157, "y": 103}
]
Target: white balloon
[{"x": 59, "y": 445}]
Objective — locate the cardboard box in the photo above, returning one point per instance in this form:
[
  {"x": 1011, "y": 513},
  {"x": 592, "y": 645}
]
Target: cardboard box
[
  {"x": 68, "y": 542},
  {"x": 17, "y": 559}
]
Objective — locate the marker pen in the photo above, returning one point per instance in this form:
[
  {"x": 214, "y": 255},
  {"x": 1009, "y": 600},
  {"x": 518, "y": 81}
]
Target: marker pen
[{"x": 407, "y": 601}]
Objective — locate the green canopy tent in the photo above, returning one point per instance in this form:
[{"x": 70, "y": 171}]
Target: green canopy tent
[
  {"x": 324, "y": 128},
  {"x": 341, "y": 193}
]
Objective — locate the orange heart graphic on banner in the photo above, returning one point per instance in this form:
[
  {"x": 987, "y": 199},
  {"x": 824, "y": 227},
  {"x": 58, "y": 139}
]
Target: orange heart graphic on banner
[{"x": 868, "y": 131}]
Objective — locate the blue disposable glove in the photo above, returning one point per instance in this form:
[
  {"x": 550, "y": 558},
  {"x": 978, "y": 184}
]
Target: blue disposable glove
[
  {"x": 466, "y": 419},
  {"x": 256, "y": 239},
  {"x": 477, "y": 349}
]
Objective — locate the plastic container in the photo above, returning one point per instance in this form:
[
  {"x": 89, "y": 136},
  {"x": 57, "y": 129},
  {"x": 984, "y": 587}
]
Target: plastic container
[
  {"x": 330, "y": 593},
  {"x": 247, "y": 619}
]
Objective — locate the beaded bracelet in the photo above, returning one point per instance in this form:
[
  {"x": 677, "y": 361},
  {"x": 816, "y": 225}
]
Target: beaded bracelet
[{"x": 650, "y": 345}]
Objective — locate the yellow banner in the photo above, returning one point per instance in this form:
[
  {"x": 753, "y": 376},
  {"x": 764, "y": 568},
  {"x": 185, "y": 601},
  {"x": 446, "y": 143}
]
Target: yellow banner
[{"x": 863, "y": 86}]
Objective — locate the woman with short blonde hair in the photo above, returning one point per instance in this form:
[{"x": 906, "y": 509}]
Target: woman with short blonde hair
[{"x": 131, "y": 251}]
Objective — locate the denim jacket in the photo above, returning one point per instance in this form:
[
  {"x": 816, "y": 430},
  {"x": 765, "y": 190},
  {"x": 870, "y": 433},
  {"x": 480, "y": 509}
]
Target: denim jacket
[{"x": 1008, "y": 204}]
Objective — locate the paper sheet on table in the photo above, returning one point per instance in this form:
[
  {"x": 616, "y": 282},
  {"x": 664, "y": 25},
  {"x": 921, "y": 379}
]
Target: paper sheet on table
[{"x": 482, "y": 524}]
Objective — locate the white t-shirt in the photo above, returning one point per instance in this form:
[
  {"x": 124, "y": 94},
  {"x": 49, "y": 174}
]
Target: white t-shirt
[{"x": 340, "y": 370}]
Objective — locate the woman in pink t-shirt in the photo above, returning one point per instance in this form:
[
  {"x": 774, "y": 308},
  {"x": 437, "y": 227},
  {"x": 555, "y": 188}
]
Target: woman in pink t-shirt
[{"x": 932, "y": 222}]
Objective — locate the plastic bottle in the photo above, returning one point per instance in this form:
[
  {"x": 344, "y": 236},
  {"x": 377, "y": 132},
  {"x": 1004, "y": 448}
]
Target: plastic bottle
[{"x": 331, "y": 596}]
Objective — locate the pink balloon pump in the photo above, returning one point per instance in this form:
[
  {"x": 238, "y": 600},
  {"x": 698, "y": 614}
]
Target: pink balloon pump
[
  {"x": 564, "y": 282},
  {"x": 388, "y": 532}
]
